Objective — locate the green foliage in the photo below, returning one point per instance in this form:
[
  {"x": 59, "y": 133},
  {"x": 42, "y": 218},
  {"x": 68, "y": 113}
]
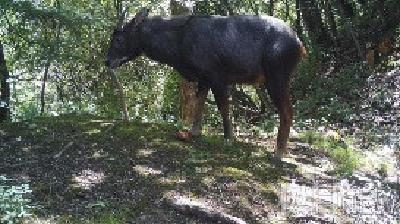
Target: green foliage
[
  {"x": 14, "y": 204},
  {"x": 71, "y": 38},
  {"x": 331, "y": 97},
  {"x": 311, "y": 137},
  {"x": 28, "y": 111},
  {"x": 110, "y": 219},
  {"x": 170, "y": 107},
  {"x": 104, "y": 218},
  {"x": 235, "y": 173},
  {"x": 348, "y": 160},
  {"x": 337, "y": 148}
]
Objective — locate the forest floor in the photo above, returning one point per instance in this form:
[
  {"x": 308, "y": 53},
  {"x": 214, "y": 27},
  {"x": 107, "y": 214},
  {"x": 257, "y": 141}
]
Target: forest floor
[{"x": 89, "y": 170}]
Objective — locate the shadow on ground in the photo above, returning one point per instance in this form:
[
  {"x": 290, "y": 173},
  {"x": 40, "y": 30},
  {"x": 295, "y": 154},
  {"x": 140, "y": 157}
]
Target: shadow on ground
[{"x": 89, "y": 170}]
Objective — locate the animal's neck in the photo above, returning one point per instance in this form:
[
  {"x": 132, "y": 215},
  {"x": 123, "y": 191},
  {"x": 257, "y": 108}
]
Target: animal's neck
[{"x": 160, "y": 40}]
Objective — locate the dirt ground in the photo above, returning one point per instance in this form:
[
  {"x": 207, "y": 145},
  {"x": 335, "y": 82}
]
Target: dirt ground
[{"x": 89, "y": 170}]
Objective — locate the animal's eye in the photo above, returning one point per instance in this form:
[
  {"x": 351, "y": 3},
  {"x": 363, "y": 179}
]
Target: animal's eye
[{"x": 119, "y": 40}]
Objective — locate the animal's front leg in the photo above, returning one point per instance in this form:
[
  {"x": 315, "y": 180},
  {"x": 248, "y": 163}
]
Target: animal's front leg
[{"x": 221, "y": 97}]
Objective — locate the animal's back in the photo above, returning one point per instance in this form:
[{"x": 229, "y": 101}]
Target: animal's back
[{"x": 233, "y": 47}]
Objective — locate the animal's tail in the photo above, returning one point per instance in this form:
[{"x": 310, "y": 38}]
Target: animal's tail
[{"x": 303, "y": 51}]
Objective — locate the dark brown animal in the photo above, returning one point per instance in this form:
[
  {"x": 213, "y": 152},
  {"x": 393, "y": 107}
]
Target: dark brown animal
[{"x": 215, "y": 52}]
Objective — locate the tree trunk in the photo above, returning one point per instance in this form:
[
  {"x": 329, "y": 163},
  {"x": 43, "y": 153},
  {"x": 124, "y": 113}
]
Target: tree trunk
[
  {"x": 4, "y": 88},
  {"x": 48, "y": 63},
  {"x": 347, "y": 13},
  {"x": 287, "y": 11},
  {"x": 189, "y": 102},
  {"x": 121, "y": 96},
  {"x": 60, "y": 92},
  {"x": 330, "y": 17},
  {"x": 271, "y": 7},
  {"x": 313, "y": 21},
  {"x": 43, "y": 88},
  {"x": 299, "y": 28}
]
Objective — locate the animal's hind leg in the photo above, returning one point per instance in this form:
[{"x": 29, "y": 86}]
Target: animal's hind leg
[{"x": 278, "y": 89}]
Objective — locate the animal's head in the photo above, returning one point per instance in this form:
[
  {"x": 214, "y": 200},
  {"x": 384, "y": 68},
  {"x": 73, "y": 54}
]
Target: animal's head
[{"x": 125, "y": 42}]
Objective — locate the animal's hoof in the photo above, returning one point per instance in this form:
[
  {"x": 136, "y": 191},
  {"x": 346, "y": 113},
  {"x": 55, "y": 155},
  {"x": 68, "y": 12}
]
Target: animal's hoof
[{"x": 183, "y": 135}]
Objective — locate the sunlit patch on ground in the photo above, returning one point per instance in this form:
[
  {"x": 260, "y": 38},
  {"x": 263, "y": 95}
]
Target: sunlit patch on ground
[
  {"x": 199, "y": 208},
  {"x": 86, "y": 179},
  {"x": 359, "y": 198},
  {"x": 103, "y": 122},
  {"x": 145, "y": 152},
  {"x": 93, "y": 131},
  {"x": 345, "y": 201},
  {"x": 146, "y": 170},
  {"x": 172, "y": 180},
  {"x": 37, "y": 220}
]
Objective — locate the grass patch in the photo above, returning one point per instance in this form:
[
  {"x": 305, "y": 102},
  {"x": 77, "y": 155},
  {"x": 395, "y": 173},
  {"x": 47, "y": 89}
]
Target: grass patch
[
  {"x": 104, "y": 218},
  {"x": 348, "y": 160},
  {"x": 235, "y": 172},
  {"x": 337, "y": 148},
  {"x": 146, "y": 131},
  {"x": 191, "y": 166}
]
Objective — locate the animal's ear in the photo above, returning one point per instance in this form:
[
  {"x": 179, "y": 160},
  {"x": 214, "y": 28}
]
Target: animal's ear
[{"x": 141, "y": 15}]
